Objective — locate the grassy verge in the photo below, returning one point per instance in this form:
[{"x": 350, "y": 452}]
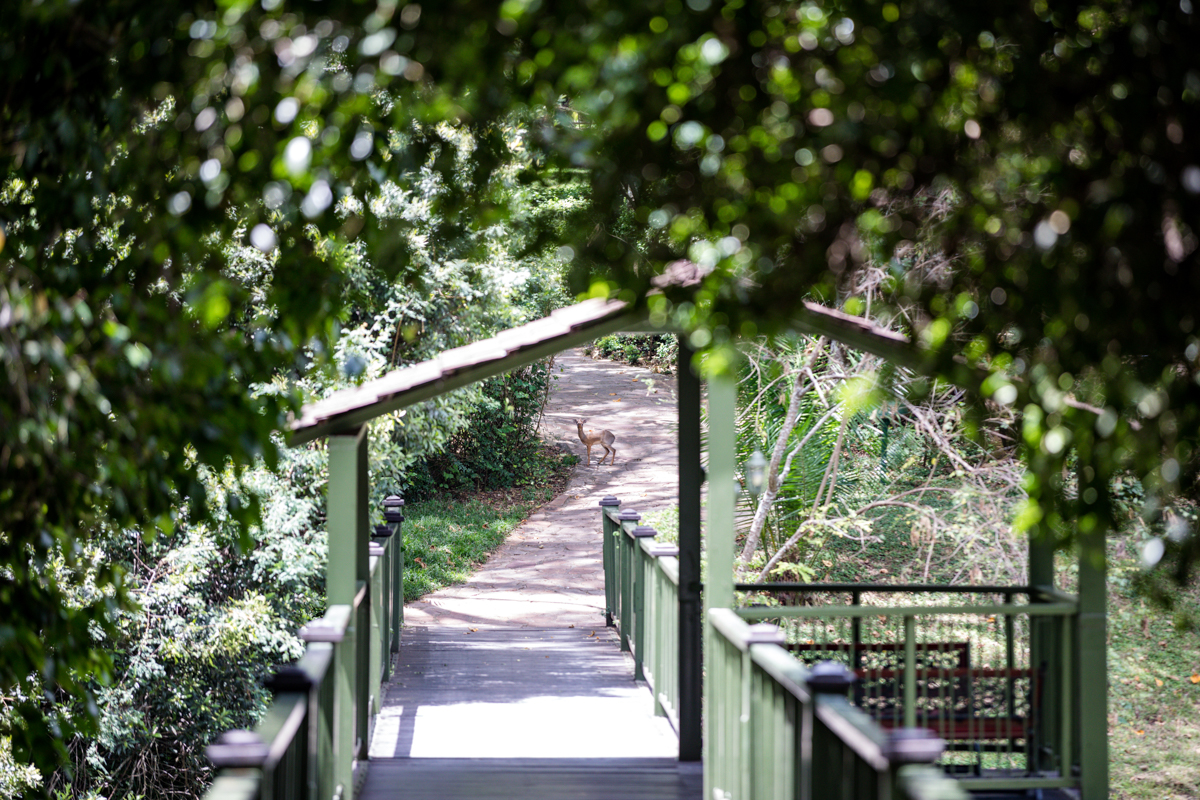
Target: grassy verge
[
  {"x": 1154, "y": 690},
  {"x": 444, "y": 540}
]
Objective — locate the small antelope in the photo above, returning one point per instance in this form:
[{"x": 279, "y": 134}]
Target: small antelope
[{"x": 604, "y": 439}]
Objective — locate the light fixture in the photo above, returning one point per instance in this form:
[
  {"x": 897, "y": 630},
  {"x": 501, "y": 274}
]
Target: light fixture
[{"x": 756, "y": 473}]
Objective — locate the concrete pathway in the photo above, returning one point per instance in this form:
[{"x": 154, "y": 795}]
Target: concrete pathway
[
  {"x": 548, "y": 573},
  {"x": 515, "y": 666}
]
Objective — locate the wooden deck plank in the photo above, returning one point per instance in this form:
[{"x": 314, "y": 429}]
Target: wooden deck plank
[
  {"x": 517, "y": 693},
  {"x": 521, "y": 712},
  {"x": 533, "y": 779}
]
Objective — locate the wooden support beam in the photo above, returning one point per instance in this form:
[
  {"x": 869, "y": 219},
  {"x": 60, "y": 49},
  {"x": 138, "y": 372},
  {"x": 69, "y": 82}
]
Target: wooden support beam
[
  {"x": 718, "y": 545},
  {"x": 348, "y": 541},
  {"x": 359, "y": 411},
  {"x": 691, "y": 626},
  {"x": 722, "y": 495},
  {"x": 1092, "y": 643},
  {"x": 860, "y": 334}
]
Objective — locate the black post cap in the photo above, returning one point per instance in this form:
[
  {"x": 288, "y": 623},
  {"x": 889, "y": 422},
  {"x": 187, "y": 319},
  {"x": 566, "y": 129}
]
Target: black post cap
[
  {"x": 609, "y": 500},
  {"x": 913, "y": 746},
  {"x": 629, "y": 515},
  {"x": 382, "y": 532},
  {"x": 830, "y": 677},
  {"x": 391, "y": 508},
  {"x": 289, "y": 678},
  {"x": 237, "y": 748}
]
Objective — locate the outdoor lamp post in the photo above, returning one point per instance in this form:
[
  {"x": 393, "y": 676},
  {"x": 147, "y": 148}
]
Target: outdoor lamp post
[{"x": 756, "y": 473}]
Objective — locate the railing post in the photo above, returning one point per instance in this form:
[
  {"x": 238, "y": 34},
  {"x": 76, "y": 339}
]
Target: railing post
[
  {"x": 689, "y": 643},
  {"x": 607, "y": 526},
  {"x": 664, "y": 619},
  {"x": 758, "y": 634},
  {"x": 383, "y": 536},
  {"x": 830, "y": 678},
  {"x": 335, "y": 721},
  {"x": 719, "y": 545},
  {"x": 911, "y": 753},
  {"x": 1045, "y": 659},
  {"x": 362, "y": 658},
  {"x": 1066, "y": 688},
  {"x": 638, "y": 583},
  {"x": 296, "y": 679},
  {"x": 910, "y": 672},
  {"x": 393, "y": 514},
  {"x": 379, "y": 631},
  {"x": 1044, "y": 637},
  {"x": 237, "y": 749},
  {"x": 1091, "y": 646},
  {"x": 624, "y": 559}
]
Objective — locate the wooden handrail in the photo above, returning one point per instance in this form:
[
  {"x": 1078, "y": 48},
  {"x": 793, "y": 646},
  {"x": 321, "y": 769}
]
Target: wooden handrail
[
  {"x": 906, "y": 588},
  {"x": 850, "y": 612},
  {"x": 297, "y": 751}
]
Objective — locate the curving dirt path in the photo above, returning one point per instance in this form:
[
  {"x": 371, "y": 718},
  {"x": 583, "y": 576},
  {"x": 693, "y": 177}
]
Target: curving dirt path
[{"x": 549, "y": 573}]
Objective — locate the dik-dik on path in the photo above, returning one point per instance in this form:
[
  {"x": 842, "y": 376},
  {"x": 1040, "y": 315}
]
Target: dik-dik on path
[
  {"x": 509, "y": 685},
  {"x": 549, "y": 574}
]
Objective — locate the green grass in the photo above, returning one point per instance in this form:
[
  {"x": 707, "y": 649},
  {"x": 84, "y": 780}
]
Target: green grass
[{"x": 445, "y": 540}]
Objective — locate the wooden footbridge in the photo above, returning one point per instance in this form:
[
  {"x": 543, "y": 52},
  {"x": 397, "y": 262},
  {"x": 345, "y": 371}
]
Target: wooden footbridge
[{"x": 918, "y": 692}]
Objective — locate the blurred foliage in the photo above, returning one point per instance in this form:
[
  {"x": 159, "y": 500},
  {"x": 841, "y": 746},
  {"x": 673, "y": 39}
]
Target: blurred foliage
[
  {"x": 1022, "y": 169},
  {"x": 189, "y": 196},
  {"x": 213, "y": 618},
  {"x": 1025, "y": 171}
]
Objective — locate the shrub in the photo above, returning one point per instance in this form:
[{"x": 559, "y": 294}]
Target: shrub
[
  {"x": 499, "y": 448},
  {"x": 655, "y": 350}
]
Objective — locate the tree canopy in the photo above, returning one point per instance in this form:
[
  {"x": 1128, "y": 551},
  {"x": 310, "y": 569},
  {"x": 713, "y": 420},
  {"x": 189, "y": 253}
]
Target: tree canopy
[{"x": 1024, "y": 171}]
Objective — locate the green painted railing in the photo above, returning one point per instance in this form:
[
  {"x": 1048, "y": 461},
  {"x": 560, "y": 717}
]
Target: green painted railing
[
  {"x": 766, "y": 726},
  {"x": 316, "y": 731},
  {"x": 642, "y": 601},
  {"x": 778, "y": 730},
  {"x": 989, "y": 674}
]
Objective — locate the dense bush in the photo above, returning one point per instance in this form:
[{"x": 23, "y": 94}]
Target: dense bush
[
  {"x": 657, "y": 351},
  {"x": 499, "y": 447},
  {"x": 216, "y": 596},
  {"x": 213, "y": 619}
]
